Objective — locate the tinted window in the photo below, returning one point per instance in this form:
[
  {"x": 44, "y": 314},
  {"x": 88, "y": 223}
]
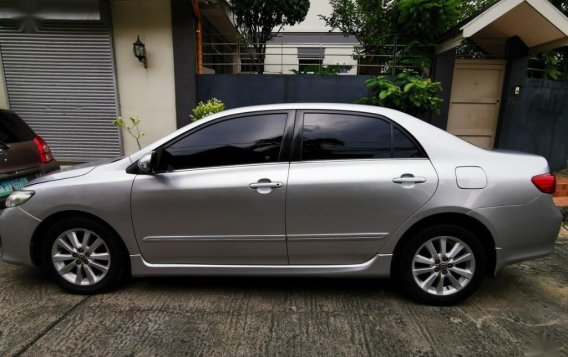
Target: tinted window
[
  {"x": 13, "y": 129},
  {"x": 343, "y": 136},
  {"x": 403, "y": 146},
  {"x": 245, "y": 140}
]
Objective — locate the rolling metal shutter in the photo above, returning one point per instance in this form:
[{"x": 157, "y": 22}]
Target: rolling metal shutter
[{"x": 60, "y": 80}]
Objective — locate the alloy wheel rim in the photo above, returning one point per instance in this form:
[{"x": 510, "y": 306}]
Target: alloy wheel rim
[
  {"x": 443, "y": 266},
  {"x": 81, "y": 257}
]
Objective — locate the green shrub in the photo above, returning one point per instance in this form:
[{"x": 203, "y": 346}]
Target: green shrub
[
  {"x": 202, "y": 109},
  {"x": 324, "y": 70},
  {"x": 408, "y": 92}
]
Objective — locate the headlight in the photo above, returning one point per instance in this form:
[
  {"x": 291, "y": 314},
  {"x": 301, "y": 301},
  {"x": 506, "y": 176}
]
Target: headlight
[{"x": 17, "y": 198}]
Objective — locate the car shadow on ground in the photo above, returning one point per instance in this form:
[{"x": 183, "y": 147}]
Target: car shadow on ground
[
  {"x": 502, "y": 287},
  {"x": 274, "y": 284}
]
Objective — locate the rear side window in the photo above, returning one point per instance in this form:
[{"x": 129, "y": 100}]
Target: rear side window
[
  {"x": 245, "y": 140},
  {"x": 403, "y": 146},
  {"x": 329, "y": 136},
  {"x": 13, "y": 129}
]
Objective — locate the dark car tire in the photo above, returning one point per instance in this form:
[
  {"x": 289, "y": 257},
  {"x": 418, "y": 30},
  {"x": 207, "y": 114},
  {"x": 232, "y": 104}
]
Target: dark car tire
[
  {"x": 456, "y": 234},
  {"x": 116, "y": 265}
]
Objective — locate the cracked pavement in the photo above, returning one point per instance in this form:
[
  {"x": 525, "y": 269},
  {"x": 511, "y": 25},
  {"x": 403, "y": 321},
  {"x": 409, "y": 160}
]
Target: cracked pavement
[{"x": 525, "y": 308}]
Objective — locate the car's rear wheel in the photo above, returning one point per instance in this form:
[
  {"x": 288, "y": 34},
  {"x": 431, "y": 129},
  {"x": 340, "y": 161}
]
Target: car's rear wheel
[
  {"x": 83, "y": 255},
  {"x": 442, "y": 265}
]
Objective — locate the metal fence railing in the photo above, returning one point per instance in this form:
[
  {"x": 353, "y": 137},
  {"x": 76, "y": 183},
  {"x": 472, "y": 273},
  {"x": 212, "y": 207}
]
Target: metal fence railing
[{"x": 283, "y": 56}]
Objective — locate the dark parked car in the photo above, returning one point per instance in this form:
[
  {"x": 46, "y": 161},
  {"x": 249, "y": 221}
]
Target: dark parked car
[{"x": 23, "y": 154}]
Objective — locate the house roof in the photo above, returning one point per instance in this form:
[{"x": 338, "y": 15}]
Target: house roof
[
  {"x": 218, "y": 13},
  {"x": 539, "y": 24}
]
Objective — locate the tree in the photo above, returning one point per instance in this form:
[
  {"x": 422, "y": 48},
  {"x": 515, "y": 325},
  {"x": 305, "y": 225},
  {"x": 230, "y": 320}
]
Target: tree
[
  {"x": 416, "y": 23},
  {"x": 259, "y": 21},
  {"x": 422, "y": 20},
  {"x": 365, "y": 19}
]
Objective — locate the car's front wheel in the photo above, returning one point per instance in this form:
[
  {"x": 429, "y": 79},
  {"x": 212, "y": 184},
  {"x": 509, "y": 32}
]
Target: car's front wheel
[
  {"x": 83, "y": 255},
  {"x": 442, "y": 265}
]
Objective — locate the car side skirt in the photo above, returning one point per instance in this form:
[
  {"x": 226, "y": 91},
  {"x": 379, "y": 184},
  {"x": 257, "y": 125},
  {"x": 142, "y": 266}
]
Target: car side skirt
[{"x": 379, "y": 266}]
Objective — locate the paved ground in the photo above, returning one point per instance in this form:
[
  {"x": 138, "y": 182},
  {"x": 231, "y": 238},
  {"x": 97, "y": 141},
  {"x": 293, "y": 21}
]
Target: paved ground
[{"x": 243, "y": 317}]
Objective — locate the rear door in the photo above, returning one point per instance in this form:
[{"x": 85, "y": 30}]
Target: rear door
[{"x": 354, "y": 180}]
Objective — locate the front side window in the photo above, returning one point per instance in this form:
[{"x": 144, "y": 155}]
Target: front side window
[
  {"x": 332, "y": 136},
  {"x": 246, "y": 140}
]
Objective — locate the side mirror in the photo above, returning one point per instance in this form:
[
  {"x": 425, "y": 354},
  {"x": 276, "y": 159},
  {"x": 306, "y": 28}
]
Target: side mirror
[{"x": 145, "y": 164}]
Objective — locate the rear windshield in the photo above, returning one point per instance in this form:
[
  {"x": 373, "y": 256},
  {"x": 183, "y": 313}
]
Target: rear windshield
[{"x": 13, "y": 129}]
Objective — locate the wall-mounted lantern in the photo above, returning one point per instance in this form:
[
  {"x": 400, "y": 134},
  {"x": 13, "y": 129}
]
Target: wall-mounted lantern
[{"x": 139, "y": 50}]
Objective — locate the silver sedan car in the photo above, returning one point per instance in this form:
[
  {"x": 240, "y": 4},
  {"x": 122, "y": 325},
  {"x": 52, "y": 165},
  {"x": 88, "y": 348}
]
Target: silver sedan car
[{"x": 291, "y": 190}]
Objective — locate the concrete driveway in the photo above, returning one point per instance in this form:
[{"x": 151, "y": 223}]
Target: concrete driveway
[{"x": 525, "y": 307}]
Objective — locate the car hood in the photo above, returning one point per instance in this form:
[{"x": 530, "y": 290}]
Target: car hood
[{"x": 73, "y": 171}]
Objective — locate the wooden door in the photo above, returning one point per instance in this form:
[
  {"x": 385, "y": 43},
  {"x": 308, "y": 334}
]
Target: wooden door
[{"x": 475, "y": 100}]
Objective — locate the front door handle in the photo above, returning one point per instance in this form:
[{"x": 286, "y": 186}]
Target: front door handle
[
  {"x": 265, "y": 185},
  {"x": 409, "y": 179},
  {"x": 258, "y": 185}
]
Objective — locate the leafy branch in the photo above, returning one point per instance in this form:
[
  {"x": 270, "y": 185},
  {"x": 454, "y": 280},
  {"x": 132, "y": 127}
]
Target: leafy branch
[{"x": 131, "y": 125}]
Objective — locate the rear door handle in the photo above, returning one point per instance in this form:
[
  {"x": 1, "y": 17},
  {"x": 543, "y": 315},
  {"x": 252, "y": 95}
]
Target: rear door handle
[
  {"x": 258, "y": 185},
  {"x": 409, "y": 179}
]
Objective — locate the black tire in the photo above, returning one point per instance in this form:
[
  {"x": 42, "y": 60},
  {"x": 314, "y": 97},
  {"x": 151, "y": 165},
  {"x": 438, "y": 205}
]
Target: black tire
[
  {"x": 116, "y": 265},
  {"x": 405, "y": 265}
]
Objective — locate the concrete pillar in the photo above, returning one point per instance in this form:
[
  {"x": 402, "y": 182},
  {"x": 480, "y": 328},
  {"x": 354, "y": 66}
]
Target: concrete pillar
[
  {"x": 517, "y": 54},
  {"x": 443, "y": 72},
  {"x": 183, "y": 31},
  {"x": 145, "y": 92},
  {"x": 4, "y": 103}
]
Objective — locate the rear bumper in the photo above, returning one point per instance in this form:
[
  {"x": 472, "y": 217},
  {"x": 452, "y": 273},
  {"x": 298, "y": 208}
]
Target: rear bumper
[
  {"x": 16, "y": 229},
  {"x": 49, "y": 167},
  {"x": 522, "y": 232}
]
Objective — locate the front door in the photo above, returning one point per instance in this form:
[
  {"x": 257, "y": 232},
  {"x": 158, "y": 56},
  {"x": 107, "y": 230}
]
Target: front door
[
  {"x": 221, "y": 197},
  {"x": 357, "y": 179},
  {"x": 475, "y": 100}
]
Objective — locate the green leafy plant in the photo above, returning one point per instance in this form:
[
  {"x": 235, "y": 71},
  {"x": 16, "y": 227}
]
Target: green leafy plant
[
  {"x": 411, "y": 25},
  {"x": 408, "y": 92},
  {"x": 425, "y": 20},
  {"x": 209, "y": 107},
  {"x": 132, "y": 126},
  {"x": 324, "y": 70},
  {"x": 551, "y": 65}
]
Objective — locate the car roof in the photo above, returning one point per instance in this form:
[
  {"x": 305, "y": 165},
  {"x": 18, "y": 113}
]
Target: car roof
[{"x": 311, "y": 106}]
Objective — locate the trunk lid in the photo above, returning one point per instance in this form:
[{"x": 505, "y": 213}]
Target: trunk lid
[{"x": 15, "y": 158}]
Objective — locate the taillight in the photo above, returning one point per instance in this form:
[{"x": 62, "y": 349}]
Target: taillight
[
  {"x": 43, "y": 150},
  {"x": 546, "y": 183}
]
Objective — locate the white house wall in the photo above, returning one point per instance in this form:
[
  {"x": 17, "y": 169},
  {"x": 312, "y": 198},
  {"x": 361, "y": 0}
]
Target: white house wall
[
  {"x": 313, "y": 22},
  {"x": 282, "y": 57},
  {"x": 148, "y": 93}
]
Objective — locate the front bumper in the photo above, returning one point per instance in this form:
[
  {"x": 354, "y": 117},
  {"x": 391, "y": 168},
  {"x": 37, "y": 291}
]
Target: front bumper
[
  {"x": 522, "y": 232},
  {"x": 16, "y": 229}
]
